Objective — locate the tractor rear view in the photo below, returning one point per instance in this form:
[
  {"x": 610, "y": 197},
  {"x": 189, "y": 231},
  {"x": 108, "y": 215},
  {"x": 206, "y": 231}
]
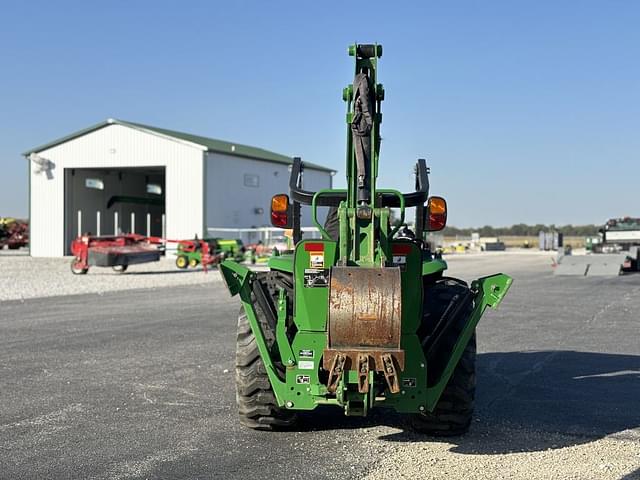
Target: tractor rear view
[{"x": 363, "y": 317}]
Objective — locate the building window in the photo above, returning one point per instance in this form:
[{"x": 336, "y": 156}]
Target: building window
[
  {"x": 94, "y": 183},
  {"x": 154, "y": 188},
  {"x": 251, "y": 180}
]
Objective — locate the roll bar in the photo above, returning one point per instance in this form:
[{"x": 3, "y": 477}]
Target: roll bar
[{"x": 386, "y": 199}]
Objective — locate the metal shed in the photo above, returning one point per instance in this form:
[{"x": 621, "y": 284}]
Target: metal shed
[{"x": 125, "y": 177}]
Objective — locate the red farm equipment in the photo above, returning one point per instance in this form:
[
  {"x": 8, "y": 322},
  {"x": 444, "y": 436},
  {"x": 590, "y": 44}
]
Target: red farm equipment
[
  {"x": 120, "y": 251},
  {"x": 14, "y": 234},
  {"x": 192, "y": 253}
]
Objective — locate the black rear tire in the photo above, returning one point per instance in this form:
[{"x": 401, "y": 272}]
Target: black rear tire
[
  {"x": 257, "y": 405},
  {"x": 454, "y": 411}
]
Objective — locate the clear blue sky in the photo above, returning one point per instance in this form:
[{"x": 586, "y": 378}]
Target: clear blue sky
[{"x": 526, "y": 111}]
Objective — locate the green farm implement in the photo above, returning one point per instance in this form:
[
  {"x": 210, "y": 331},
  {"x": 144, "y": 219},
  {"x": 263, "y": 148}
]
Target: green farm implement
[
  {"x": 190, "y": 253},
  {"x": 362, "y": 317},
  {"x": 232, "y": 249}
]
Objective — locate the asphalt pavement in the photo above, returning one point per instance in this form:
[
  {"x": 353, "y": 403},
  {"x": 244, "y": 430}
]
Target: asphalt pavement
[{"x": 140, "y": 384}]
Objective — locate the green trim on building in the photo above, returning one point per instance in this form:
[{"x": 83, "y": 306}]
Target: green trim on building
[{"x": 209, "y": 144}]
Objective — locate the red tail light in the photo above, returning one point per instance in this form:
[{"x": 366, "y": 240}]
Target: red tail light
[
  {"x": 280, "y": 211},
  {"x": 436, "y": 214},
  {"x": 279, "y": 219}
]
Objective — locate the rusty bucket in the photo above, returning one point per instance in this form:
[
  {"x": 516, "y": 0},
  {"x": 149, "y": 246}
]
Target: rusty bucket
[{"x": 365, "y": 322}]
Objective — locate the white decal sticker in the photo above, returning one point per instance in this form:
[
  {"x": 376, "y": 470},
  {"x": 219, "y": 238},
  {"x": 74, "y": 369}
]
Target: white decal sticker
[
  {"x": 316, "y": 259},
  {"x": 399, "y": 259},
  {"x": 305, "y": 365}
]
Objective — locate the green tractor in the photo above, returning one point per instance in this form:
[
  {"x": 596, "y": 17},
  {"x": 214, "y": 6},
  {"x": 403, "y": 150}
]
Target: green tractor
[{"x": 364, "y": 316}]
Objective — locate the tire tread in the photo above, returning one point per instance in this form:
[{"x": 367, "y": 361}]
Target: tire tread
[
  {"x": 257, "y": 405},
  {"x": 454, "y": 411}
]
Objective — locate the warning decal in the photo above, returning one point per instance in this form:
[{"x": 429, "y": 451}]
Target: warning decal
[
  {"x": 316, "y": 259},
  {"x": 409, "y": 382},
  {"x": 303, "y": 379},
  {"x": 399, "y": 259},
  {"x": 316, "y": 277}
]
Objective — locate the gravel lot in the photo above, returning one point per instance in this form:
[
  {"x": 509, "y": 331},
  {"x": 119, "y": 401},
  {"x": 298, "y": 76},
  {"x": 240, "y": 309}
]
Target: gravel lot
[
  {"x": 503, "y": 451},
  {"x": 141, "y": 386},
  {"x": 24, "y": 277}
]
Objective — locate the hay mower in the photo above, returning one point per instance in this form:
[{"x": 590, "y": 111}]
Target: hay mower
[
  {"x": 115, "y": 251},
  {"x": 120, "y": 251},
  {"x": 363, "y": 317}
]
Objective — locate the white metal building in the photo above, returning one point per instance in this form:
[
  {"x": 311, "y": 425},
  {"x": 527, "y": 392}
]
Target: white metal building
[{"x": 122, "y": 177}]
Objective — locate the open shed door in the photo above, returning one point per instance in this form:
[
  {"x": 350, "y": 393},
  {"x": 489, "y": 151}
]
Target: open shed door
[{"x": 114, "y": 201}]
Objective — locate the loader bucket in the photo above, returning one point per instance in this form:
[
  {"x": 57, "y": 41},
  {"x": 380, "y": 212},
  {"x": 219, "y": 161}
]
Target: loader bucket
[{"x": 365, "y": 324}]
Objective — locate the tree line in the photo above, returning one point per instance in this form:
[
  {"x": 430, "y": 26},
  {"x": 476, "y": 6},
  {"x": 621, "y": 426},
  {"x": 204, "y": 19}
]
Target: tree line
[{"x": 522, "y": 229}]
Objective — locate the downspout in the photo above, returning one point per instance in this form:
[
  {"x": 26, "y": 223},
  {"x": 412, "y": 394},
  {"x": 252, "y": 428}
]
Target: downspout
[
  {"x": 29, "y": 203},
  {"x": 205, "y": 197}
]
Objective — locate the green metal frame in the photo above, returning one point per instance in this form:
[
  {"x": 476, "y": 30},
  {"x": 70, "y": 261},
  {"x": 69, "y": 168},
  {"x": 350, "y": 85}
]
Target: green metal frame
[
  {"x": 489, "y": 292},
  {"x": 365, "y": 241}
]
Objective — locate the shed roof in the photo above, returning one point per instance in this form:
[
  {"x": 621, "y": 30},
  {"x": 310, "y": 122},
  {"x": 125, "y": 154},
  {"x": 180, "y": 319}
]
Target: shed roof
[{"x": 207, "y": 143}]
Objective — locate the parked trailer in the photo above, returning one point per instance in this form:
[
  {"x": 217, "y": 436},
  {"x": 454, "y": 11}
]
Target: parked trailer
[
  {"x": 621, "y": 233},
  {"x": 615, "y": 251}
]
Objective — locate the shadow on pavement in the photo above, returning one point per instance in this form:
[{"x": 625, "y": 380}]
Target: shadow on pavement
[
  {"x": 532, "y": 401},
  {"x": 635, "y": 475},
  {"x": 95, "y": 271}
]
